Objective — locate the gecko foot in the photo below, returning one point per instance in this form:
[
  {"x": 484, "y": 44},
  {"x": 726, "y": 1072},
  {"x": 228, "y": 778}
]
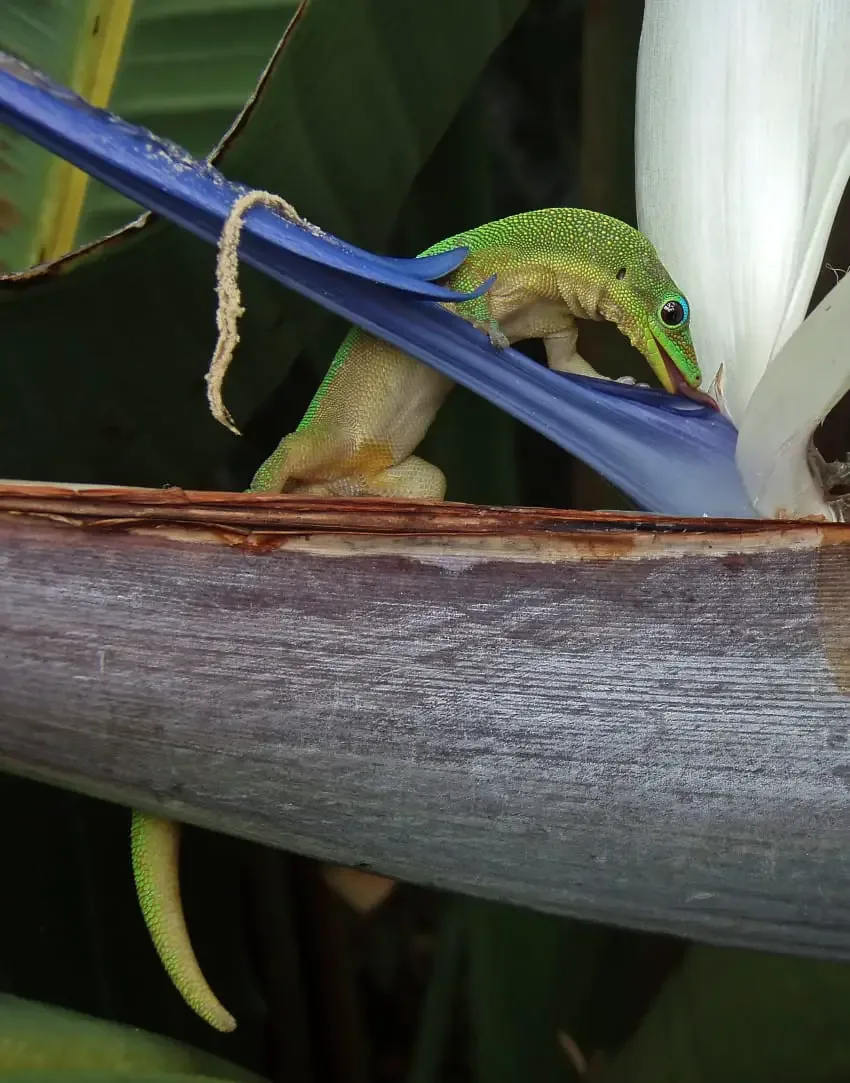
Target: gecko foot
[{"x": 497, "y": 336}]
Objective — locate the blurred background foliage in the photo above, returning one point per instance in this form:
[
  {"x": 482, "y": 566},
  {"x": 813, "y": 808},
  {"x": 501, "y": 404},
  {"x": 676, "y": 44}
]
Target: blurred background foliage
[{"x": 392, "y": 123}]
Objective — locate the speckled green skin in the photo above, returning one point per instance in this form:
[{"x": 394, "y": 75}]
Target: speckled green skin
[
  {"x": 376, "y": 403},
  {"x": 155, "y": 848},
  {"x": 552, "y": 267}
]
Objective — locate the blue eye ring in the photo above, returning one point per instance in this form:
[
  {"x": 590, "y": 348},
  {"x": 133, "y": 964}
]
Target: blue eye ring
[{"x": 674, "y": 311}]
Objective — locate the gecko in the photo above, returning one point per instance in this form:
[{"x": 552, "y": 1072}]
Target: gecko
[{"x": 552, "y": 267}]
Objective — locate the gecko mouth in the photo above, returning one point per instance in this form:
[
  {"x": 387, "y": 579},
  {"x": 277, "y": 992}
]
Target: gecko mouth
[{"x": 680, "y": 384}]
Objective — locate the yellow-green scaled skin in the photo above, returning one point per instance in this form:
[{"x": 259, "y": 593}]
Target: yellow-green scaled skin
[
  {"x": 553, "y": 267},
  {"x": 155, "y": 849},
  {"x": 376, "y": 403}
]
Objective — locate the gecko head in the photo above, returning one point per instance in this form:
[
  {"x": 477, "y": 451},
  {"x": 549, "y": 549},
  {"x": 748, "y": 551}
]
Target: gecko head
[{"x": 654, "y": 315}]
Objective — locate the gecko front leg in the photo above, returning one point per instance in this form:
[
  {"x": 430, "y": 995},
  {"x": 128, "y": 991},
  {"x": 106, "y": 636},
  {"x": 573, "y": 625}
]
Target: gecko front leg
[
  {"x": 492, "y": 328},
  {"x": 496, "y": 335},
  {"x": 562, "y": 354}
]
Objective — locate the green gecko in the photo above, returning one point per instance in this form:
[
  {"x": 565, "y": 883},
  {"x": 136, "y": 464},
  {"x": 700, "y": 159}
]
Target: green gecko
[
  {"x": 375, "y": 404},
  {"x": 553, "y": 266}
]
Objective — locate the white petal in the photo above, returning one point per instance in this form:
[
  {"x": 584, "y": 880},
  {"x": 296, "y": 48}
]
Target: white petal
[
  {"x": 803, "y": 382},
  {"x": 743, "y": 127}
]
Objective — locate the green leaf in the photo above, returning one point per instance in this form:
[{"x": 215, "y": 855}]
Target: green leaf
[
  {"x": 528, "y": 976},
  {"x": 730, "y": 1015},
  {"x": 39, "y": 1036},
  {"x": 187, "y": 68},
  {"x": 436, "y": 1018},
  {"x": 98, "y": 1075},
  {"x": 104, "y": 355},
  {"x": 78, "y": 42},
  {"x": 184, "y": 70}
]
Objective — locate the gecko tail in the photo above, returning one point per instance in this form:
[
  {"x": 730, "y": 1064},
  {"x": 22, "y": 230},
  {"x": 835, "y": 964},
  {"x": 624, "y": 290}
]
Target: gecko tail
[{"x": 155, "y": 847}]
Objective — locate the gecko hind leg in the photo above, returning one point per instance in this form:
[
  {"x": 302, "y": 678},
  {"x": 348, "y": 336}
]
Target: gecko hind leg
[
  {"x": 411, "y": 479},
  {"x": 155, "y": 847}
]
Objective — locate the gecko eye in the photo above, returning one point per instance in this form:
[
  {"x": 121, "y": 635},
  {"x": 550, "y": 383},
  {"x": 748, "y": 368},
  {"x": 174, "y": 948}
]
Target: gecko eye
[
  {"x": 674, "y": 312},
  {"x": 621, "y": 274}
]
